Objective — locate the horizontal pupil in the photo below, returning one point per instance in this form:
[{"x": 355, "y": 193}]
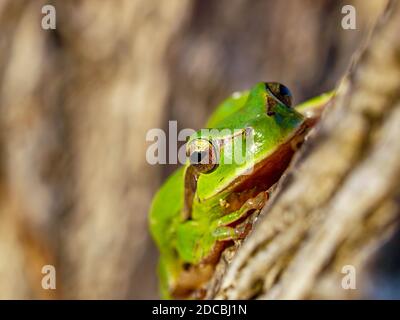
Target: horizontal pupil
[{"x": 197, "y": 157}]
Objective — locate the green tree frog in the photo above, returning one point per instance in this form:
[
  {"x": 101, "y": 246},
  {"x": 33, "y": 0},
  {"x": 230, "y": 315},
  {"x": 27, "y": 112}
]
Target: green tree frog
[{"x": 206, "y": 205}]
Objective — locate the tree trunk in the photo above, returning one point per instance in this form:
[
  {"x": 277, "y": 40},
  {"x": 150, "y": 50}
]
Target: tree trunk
[
  {"x": 76, "y": 104},
  {"x": 339, "y": 202}
]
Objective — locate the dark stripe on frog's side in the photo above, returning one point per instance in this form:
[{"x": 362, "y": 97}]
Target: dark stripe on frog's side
[
  {"x": 191, "y": 175},
  {"x": 190, "y": 190}
]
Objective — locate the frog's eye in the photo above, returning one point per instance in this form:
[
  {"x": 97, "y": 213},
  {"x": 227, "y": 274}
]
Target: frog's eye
[
  {"x": 202, "y": 155},
  {"x": 280, "y": 92}
]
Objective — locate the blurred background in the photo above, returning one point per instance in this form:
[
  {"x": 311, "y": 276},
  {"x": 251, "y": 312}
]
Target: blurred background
[{"x": 76, "y": 104}]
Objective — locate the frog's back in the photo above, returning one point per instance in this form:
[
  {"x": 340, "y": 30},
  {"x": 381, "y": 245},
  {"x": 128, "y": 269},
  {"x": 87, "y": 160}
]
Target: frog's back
[{"x": 165, "y": 209}]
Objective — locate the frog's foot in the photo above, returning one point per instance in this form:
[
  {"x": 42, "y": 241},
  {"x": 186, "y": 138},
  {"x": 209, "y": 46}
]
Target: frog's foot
[
  {"x": 191, "y": 280},
  {"x": 224, "y": 231}
]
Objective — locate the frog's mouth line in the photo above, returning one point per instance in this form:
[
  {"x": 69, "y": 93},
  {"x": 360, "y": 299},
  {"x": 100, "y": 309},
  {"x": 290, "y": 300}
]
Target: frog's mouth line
[
  {"x": 265, "y": 173},
  {"x": 268, "y": 171}
]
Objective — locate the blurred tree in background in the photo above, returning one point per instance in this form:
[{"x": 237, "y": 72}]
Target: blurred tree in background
[{"x": 76, "y": 103}]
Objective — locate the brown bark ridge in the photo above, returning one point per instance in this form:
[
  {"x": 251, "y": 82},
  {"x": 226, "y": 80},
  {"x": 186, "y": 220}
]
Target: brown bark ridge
[{"x": 339, "y": 202}]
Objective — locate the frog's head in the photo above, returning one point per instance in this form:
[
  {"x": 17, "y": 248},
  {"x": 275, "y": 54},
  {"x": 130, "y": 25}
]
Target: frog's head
[{"x": 242, "y": 143}]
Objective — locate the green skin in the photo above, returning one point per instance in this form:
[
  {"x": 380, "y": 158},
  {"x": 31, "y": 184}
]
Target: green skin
[{"x": 187, "y": 228}]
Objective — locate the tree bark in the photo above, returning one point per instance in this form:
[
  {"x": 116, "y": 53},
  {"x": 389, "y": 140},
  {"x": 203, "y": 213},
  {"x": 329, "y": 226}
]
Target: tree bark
[
  {"x": 76, "y": 104},
  {"x": 339, "y": 202}
]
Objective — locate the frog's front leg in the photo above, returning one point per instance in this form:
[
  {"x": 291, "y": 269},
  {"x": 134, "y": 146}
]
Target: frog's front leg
[{"x": 225, "y": 232}]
